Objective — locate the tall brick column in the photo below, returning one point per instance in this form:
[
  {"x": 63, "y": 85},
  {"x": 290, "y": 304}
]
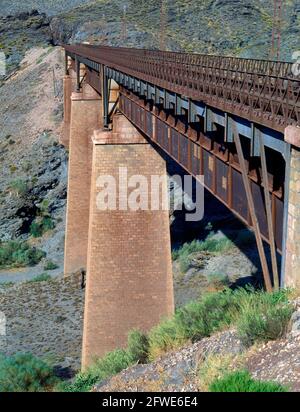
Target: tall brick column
[
  {"x": 129, "y": 274},
  {"x": 292, "y": 260},
  {"x": 85, "y": 118},
  {"x": 67, "y": 85}
]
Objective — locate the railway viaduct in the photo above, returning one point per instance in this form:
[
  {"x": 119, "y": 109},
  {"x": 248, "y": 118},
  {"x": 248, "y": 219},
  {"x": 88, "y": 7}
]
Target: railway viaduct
[{"x": 234, "y": 121}]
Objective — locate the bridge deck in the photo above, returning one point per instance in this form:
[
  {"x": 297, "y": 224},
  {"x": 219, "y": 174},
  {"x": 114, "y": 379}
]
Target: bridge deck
[{"x": 264, "y": 92}]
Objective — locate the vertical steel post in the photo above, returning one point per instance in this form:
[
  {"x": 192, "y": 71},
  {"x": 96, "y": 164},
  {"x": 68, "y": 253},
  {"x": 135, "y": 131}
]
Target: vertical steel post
[
  {"x": 287, "y": 156},
  {"x": 77, "y": 65},
  {"x": 66, "y": 63},
  {"x": 105, "y": 97}
]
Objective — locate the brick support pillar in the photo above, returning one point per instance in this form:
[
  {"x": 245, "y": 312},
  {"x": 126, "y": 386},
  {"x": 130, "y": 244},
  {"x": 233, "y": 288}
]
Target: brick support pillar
[
  {"x": 129, "y": 274},
  {"x": 68, "y": 89},
  {"x": 292, "y": 259},
  {"x": 85, "y": 118}
]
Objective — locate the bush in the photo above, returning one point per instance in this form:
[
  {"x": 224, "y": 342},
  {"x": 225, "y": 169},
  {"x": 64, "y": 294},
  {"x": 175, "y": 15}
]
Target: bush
[
  {"x": 263, "y": 316},
  {"x": 19, "y": 187},
  {"x": 49, "y": 265},
  {"x": 210, "y": 314},
  {"x": 138, "y": 346},
  {"x": 41, "y": 226},
  {"x": 165, "y": 337},
  {"x": 19, "y": 254},
  {"x": 241, "y": 381},
  {"x": 211, "y": 244},
  {"x": 40, "y": 278},
  {"x": 25, "y": 373},
  {"x": 104, "y": 368},
  {"x": 258, "y": 316}
]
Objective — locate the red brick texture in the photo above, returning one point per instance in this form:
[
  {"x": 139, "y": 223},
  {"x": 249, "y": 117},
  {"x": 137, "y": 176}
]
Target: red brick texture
[
  {"x": 67, "y": 83},
  {"x": 292, "y": 135},
  {"x": 85, "y": 117},
  {"x": 129, "y": 271}
]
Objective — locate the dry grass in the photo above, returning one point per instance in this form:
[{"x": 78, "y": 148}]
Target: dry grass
[{"x": 215, "y": 367}]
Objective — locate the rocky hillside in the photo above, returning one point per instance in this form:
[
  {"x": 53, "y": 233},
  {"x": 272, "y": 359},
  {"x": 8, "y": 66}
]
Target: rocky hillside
[
  {"x": 235, "y": 27},
  {"x": 50, "y": 7}
]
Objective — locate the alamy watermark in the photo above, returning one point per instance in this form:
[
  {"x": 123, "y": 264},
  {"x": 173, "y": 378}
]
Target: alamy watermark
[
  {"x": 139, "y": 192},
  {"x": 2, "y": 324},
  {"x": 2, "y": 64},
  {"x": 296, "y": 64}
]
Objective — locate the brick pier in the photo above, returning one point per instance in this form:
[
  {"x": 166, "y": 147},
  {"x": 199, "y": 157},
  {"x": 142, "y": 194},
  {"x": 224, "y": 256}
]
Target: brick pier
[
  {"x": 85, "y": 117},
  {"x": 129, "y": 272}
]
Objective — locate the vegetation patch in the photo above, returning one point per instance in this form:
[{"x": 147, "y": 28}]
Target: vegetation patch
[
  {"x": 19, "y": 187},
  {"x": 263, "y": 316},
  {"x": 41, "y": 225},
  {"x": 19, "y": 254},
  {"x": 49, "y": 265},
  {"x": 25, "y": 373},
  {"x": 44, "y": 277},
  {"x": 211, "y": 245},
  {"x": 111, "y": 364},
  {"x": 217, "y": 311},
  {"x": 241, "y": 381},
  {"x": 214, "y": 367},
  {"x": 211, "y": 313},
  {"x": 43, "y": 222}
]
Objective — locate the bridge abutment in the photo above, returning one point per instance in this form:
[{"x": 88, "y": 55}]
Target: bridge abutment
[
  {"x": 85, "y": 117},
  {"x": 292, "y": 259},
  {"x": 129, "y": 272}
]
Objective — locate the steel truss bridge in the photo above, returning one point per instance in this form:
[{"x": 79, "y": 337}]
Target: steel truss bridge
[{"x": 221, "y": 117}]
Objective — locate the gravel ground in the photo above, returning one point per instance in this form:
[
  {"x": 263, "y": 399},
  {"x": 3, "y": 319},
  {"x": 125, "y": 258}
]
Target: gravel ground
[
  {"x": 278, "y": 361},
  {"x": 44, "y": 318}
]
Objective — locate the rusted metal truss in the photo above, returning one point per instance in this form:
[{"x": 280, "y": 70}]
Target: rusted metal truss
[
  {"x": 261, "y": 91},
  {"x": 218, "y": 162}
]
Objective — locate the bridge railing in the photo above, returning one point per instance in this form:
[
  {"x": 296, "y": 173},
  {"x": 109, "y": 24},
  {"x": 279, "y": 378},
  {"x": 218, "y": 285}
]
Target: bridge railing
[{"x": 225, "y": 83}]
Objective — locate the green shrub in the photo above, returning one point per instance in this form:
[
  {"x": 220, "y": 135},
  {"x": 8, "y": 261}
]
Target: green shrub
[
  {"x": 41, "y": 278},
  {"x": 19, "y": 254},
  {"x": 211, "y": 245},
  {"x": 41, "y": 226},
  {"x": 165, "y": 337},
  {"x": 206, "y": 316},
  {"x": 49, "y": 265},
  {"x": 258, "y": 316},
  {"x": 138, "y": 346},
  {"x": 241, "y": 381},
  {"x": 104, "y": 368},
  {"x": 19, "y": 187},
  {"x": 262, "y": 316},
  {"x": 25, "y": 373}
]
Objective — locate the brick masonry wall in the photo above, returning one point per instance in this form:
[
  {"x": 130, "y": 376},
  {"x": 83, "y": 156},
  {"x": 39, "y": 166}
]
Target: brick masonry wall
[
  {"x": 129, "y": 275},
  {"x": 85, "y": 118},
  {"x": 292, "y": 266}
]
